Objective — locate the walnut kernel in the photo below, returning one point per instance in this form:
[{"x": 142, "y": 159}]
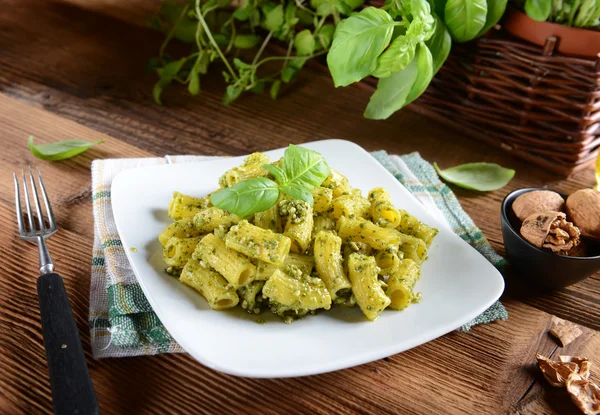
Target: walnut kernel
[{"x": 550, "y": 230}]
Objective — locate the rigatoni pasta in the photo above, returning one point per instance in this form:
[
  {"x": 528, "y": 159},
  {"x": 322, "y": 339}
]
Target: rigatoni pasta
[{"x": 295, "y": 258}]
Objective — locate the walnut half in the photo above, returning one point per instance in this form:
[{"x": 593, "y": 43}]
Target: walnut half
[{"x": 550, "y": 230}]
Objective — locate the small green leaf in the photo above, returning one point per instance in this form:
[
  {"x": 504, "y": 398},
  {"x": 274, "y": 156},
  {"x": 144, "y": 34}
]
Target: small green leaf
[
  {"x": 439, "y": 44},
  {"x": 247, "y": 197},
  {"x": 357, "y": 42},
  {"x": 221, "y": 39},
  {"x": 275, "y": 89},
  {"x": 274, "y": 18},
  {"x": 323, "y": 7},
  {"x": 425, "y": 68},
  {"x": 483, "y": 177},
  {"x": 465, "y": 18},
  {"x": 325, "y": 35},
  {"x": 60, "y": 150},
  {"x": 397, "y": 57},
  {"x": 243, "y": 13},
  {"x": 158, "y": 89},
  {"x": 496, "y": 9},
  {"x": 342, "y": 7},
  {"x": 171, "y": 69},
  {"x": 246, "y": 41},
  {"x": 233, "y": 92},
  {"x": 354, "y": 4},
  {"x": 538, "y": 10},
  {"x": 304, "y": 42},
  {"x": 194, "y": 85},
  {"x": 304, "y": 167},
  {"x": 298, "y": 192},
  {"x": 290, "y": 70},
  {"x": 276, "y": 171}
]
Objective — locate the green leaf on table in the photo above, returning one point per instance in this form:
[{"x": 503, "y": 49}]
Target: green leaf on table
[
  {"x": 538, "y": 10},
  {"x": 304, "y": 167},
  {"x": 299, "y": 193},
  {"x": 194, "y": 85},
  {"x": 304, "y": 42},
  {"x": 439, "y": 44},
  {"x": 60, "y": 150},
  {"x": 495, "y": 10},
  {"x": 465, "y": 18},
  {"x": 400, "y": 88},
  {"x": 483, "y": 177},
  {"x": 357, "y": 43},
  {"x": 247, "y": 197}
]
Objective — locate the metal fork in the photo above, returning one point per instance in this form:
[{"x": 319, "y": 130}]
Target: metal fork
[{"x": 72, "y": 389}]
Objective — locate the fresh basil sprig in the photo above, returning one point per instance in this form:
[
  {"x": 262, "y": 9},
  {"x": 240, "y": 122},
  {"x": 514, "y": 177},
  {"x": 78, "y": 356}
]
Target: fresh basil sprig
[
  {"x": 301, "y": 171},
  {"x": 60, "y": 150}
]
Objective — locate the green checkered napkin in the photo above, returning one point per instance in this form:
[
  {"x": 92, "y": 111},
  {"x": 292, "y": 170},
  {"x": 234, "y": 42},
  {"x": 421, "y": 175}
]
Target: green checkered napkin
[{"x": 122, "y": 322}]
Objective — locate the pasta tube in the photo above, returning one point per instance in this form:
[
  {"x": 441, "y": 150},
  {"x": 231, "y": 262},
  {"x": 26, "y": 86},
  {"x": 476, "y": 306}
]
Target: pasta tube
[
  {"x": 299, "y": 223},
  {"x": 366, "y": 286},
  {"x": 328, "y": 261},
  {"x": 183, "y": 206},
  {"x": 269, "y": 219},
  {"x": 250, "y": 168},
  {"x": 351, "y": 206},
  {"x": 337, "y": 182},
  {"x": 323, "y": 198},
  {"x": 322, "y": 223},
  {"x": 210, "y": 284},
  {"x": 413, "y": 248},
  {"x": 306, "y": 263},
  {"x": 360, "y": 230},
  {"x": 401, "y": 284},
  {"x": 178, "y": 251},
  {"x": 212, "y": 218},
  {"x": 183, "y": 228},
  {"x": 412, "y": 226},
  {"x": 383, "y": 212},
  {"x": 235, "y": 267},
  {"x": 258, "y": 243},
  {"x": 388, "y": 260},
  {"x": 292, "y": 293}
]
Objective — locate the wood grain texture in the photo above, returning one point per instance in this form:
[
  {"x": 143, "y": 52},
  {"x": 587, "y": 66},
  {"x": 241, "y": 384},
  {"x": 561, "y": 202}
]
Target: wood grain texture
[{"x": 73, "y": 72}]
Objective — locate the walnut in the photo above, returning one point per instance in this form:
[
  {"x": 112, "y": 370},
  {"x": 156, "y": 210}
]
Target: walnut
[
  {"x": 550, "y": 230},
  {"x": 583, "y": 363},
  {"x": 565, "y": 331},
  {"x": 583, "y": 208},
  {"x": 585, "y": 394},
  {"x": 556, "y": 373},
  {"x": 537, "y": 201}
]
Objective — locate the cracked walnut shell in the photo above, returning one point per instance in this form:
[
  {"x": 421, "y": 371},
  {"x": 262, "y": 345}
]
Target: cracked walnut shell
[
  {"x": 537, "y": 201},
  {"x": 585, "y": 394},
  {"x": 550, "y": 230},
  {"x": 583, "y": 208}
]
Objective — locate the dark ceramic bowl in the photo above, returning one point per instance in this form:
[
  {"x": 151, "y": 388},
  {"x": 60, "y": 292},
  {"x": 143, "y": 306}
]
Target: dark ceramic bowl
[{"x": 540, "y": 267}]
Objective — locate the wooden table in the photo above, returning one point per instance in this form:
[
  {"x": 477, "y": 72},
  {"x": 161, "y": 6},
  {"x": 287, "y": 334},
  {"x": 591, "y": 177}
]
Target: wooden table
[{"x": 73, "y": 70}]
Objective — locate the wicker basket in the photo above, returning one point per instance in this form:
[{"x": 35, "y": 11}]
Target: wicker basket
[{"x": 541, "y": 106}]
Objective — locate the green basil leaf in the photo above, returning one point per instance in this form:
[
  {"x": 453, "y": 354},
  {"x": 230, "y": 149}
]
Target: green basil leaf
[
  {"x": 274, "y": 18},
  {"x": 439, "y": 44},
  {"x": 290, "y": 15},
  {"x": 465, "y": 18},
  {"x": 304, "y": 42},
  {"x": 538, "y": 10},
  {"x": 354, "y": 4},
  {"x": 304, "y": 167},
  {"x": 425, "y": 69},
  {"x": 60, "y": 150},
  {"x": 247, "y": 197},
  {"x": 158, "y": 89},
  {"x": 276, "y": 171},
  {"x": 275, "y": 89},
  {"x": 397, "y": 57},
  {"x": 392, "y": 92},
  {"x": 299, "y": 193},
  {"x": 290, "y": 70},
  {"x": 325, "y": 35},
  {"x": 438, "y": 7},
  {"x": 171, "y": 69},
  {"x": 483, "y": 177},
  {"x": 343, "y": 8},
  {"x": 496, "y": 9},
  {"x": 243, "y": 13},
  {"x": 323, "y": 7},
  {"x": 233, "y": 92},
  {"x": 357, "y": 42},
  {"x": 246, "y": 41}
]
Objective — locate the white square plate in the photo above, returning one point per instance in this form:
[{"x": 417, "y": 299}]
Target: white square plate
[{"x": 457, "y": 283}]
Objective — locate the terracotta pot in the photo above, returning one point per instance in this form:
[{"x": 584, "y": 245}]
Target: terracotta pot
[{"x": 570, "y": 40}]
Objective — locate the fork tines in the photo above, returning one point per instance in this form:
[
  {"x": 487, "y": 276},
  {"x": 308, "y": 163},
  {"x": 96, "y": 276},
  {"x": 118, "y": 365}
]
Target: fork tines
[{"x": 32, "y": 231}]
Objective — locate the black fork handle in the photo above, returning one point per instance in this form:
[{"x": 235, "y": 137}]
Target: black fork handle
[{"x": 72, "y": 389}]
